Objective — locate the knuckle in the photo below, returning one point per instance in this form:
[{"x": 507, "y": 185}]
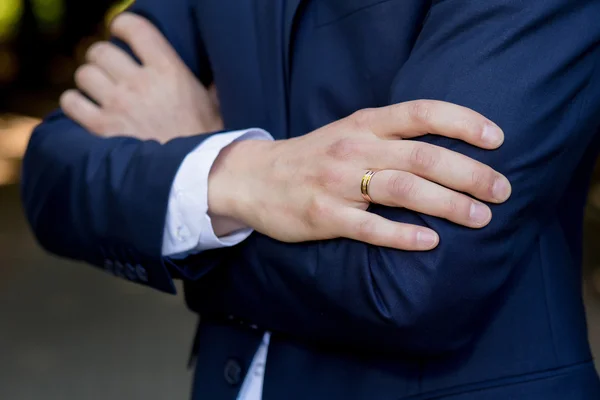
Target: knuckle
[
  {"x": 116, "y": 101},
  {"x": 318, "y": 210},
  {"x": 100, "y": 126},
  {"x": 481, "y": 180},
  {"x": 424, "y": 157},
  {"x": 407, "y": 236},
  {"x": 136, "y": 84},
  {"x": 361, "y": 119},
  {"x": 395, "y": 109},
  {"x": 470, "y": 128},
  {"x": 421, "y": 111},
  {"x": 366, "y": 229},
  {"x": 107, "y": 126},
  {"x": 403, "y": 186},
  {"x": 454, "y": 207},
  {"x": 330, "y": 177},
  {"x": 343, "y": 149}
]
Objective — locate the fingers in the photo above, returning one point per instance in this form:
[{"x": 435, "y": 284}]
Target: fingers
[
  {"x": 403, "y": 189},
  {"x": 443, "y": 166},
  {"x": 420, "y": 117},
  {"x": 114, "y": 61},
  {"x": 371, "y": 228},
  {"x": 94, "y": 81},
  {"x": 80, "y": 109},
  {"x": 146, "y": 41}
]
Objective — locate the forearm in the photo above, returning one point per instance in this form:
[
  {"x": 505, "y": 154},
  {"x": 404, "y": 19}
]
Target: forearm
[
  {"x": 223, "y": 198},
  {"x": 341, "y": 290},
  {"x": 191, "y": 226},
  {"x": 103, "y": 200},
  {"x": 224, "y": 226},
  {"x": 86, "y": 197}
]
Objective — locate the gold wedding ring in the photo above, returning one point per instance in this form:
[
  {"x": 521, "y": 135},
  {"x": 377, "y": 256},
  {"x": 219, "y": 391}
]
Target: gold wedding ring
[{"x": 364, "y": 185}]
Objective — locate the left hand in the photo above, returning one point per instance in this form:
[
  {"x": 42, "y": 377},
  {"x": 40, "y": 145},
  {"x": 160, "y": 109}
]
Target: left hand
[
  {"x": 309, "y": 187},
  {"x": 159, "y": 100}
]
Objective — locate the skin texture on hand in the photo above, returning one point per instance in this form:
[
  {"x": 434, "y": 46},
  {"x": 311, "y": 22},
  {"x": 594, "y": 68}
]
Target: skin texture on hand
[
  {"x": 300, "y": 189},
  {"x": 158, "y": 100},
  {"x": 308, "y": 188}
]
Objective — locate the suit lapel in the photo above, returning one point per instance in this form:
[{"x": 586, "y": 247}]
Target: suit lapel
[
  {"x": 269, "y": 25},
  {"x": 275, "y": 29},
  {"x": 289, "y": 18}
]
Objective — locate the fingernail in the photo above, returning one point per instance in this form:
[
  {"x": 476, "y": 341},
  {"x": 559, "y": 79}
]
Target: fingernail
[
  {"x": 501, "y": 189},
  {"x": 426, "y": 239},
  {"x": 492, "y": 135},
  {"x": 479, "y": 214}
]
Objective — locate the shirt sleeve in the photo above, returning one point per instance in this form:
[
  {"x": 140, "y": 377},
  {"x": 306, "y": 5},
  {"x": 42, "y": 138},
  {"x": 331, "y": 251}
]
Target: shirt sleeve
[{"x": 188, "y": 228}]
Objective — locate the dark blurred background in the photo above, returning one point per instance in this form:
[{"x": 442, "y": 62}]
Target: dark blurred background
[{"x": 69, "y": 331}]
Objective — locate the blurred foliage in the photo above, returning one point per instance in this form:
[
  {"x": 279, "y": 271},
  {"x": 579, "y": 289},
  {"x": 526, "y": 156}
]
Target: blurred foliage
[
  {"x": 10, "y": 15},
  {"x": 49, "y": 14},
  {"x": 116, "y": 9},
  {"x": 43, "y": 41}
]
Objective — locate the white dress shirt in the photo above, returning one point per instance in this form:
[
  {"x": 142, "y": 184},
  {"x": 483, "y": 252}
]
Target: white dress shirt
[{"x": 188, "y": 228}]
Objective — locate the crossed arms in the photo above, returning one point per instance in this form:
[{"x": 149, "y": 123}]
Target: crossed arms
[{"x": 529, "y": 68}]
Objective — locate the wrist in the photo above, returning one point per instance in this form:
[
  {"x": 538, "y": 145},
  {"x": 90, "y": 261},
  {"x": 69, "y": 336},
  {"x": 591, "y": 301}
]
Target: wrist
[
  {"x": 224, "y": 226},
  {"x": 230, "y": 179}
]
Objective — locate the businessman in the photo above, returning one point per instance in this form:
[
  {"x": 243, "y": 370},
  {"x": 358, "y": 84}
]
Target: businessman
[{"x": 493, "y": 313}]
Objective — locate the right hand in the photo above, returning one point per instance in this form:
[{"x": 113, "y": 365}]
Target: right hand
[
  {"x": 308, "y": 188},
  {"x": 160, "y": 99}
]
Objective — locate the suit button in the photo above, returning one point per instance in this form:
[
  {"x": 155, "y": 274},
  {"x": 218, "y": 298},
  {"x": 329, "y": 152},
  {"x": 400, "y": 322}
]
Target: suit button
[
  {"x": 119, "y": 269},
  {"x": 141, "y": 273},
  {"x": 130, "y": 272},
  {"x": 109, "y": 266},
  {"x": 233, "y": 372}
]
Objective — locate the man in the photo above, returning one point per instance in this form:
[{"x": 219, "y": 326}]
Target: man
[{"x": 489, "y": 313}]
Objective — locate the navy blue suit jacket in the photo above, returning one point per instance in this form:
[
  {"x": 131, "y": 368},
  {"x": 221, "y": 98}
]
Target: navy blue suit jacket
[{"x": 492, "y": 314}]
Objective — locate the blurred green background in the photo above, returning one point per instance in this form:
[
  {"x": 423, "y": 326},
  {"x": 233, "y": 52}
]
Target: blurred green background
[{"x": 68, "y": 331}]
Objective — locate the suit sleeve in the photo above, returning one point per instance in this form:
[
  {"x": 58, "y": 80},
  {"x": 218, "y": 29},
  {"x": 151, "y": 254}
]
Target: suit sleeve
[
  {"x": 104, "y": 200},
  {"x": 530, "y": 66}
]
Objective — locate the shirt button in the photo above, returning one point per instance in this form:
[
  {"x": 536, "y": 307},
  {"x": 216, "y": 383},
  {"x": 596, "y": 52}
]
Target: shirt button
[
  {"x": 182, "y": 233},
  {"x": 233, "y": 372},
  {"x": 141, "y": 273},
  {"x": 259, "y": 370}
]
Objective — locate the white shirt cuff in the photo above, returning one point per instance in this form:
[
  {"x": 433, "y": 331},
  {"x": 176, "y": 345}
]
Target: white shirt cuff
[{"x": 188, "y": 228}]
